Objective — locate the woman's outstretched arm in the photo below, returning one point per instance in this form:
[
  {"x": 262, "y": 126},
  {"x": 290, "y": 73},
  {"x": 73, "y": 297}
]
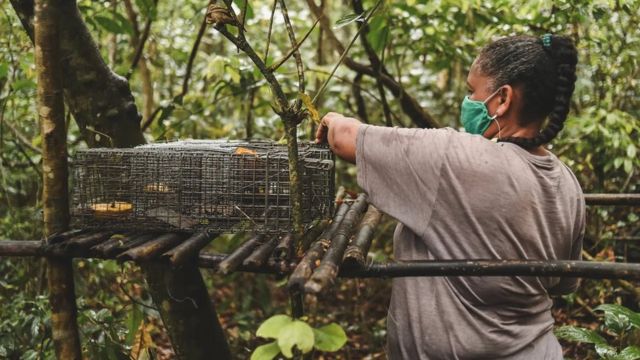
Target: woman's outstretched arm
[{"x": 340, "y": 132}]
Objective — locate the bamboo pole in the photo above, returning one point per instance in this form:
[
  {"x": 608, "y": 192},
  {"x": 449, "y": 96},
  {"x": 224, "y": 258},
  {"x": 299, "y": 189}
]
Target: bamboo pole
[
  {"x": 88, "y": 240},
  {"x": 64, "y": 324},
  {"x": 189, "y": 248},
  {"x": 284, "y": 249},
  {"x": 235, "y": 259},
  {"x": 326, "y": 273},
  {"x": 261, "y": 255},
  {"x": 152, "y": 248},
  {"x": 305, "y": 267},
  {"x": 356, "y": 253},
  {"x": 612, "y": 199},
  {"x": 554, "y": 268}
]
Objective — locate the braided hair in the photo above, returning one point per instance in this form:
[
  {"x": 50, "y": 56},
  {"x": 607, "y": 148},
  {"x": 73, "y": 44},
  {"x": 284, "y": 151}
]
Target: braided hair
[{"x": 545, "y": 71}]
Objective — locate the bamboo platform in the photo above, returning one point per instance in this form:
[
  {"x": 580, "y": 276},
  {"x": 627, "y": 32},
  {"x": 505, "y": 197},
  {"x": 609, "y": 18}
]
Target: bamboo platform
[{"x": 329, "y": 249}]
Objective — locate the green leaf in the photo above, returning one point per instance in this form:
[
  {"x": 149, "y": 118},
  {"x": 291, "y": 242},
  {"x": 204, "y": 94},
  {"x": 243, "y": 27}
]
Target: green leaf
[
  {"x": 297, "y": 333},
  {"x": 629, "y": 353},
  {"x": 348, "y": 19},
  {"x": 329, "y": 337},
  {"x": 619, "y": 310},
  {"x": 605, "y": 351},
  {"x": 4, "y": 70},
  {"x": 241, "y": 4},
  {"x": 271, "y": 328},
  {"x": 573, "y": 333},
  {"x": 266, "y": 352},
  {"x": 109, "y": 24}
]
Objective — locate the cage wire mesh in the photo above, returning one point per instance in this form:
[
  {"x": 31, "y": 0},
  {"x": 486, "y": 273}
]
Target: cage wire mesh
[{"x": 193, "y": 185}]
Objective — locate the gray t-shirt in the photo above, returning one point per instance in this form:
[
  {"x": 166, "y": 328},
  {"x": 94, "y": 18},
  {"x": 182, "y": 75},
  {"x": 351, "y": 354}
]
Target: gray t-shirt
[{"x": 461, "y": 196}]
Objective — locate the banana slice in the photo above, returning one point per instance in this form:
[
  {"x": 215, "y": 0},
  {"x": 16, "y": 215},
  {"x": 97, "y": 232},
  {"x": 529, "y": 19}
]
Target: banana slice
[{"x": 112, "y": 209}]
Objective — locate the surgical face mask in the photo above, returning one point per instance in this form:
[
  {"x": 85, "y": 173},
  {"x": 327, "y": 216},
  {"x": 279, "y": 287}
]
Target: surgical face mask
[{"x": 474, "y": 115}]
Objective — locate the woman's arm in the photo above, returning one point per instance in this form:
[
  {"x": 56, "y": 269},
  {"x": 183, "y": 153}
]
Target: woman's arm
[{"x": 340, "y": 132}]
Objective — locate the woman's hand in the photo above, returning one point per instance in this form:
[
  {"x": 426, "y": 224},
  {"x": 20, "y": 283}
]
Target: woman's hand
[{"x": 340, "y": 132}]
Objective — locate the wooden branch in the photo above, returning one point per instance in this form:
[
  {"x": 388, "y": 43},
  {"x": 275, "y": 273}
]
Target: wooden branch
[
  {"x": 357, "y": 95},
  {"x": 236, "y": 258},
  {"x": 470, "y": 267},
  {"x": 612, "y": 199},
  {"x": 261, "y": 255},
  {"x": 55, "y": 198},
  {"x": 277, "y": 64},
  {"x": 22, "y": 138},
  {"x": 87, "y": 241},
  {"x": 142, "y": 40},
  {"x": 305, "y": 267},
  {"x": 410, "y": 106},
  {"x": 327, "y": 272},
  {"x": 192, "y": 57},
  {"x": 273, "y": 13},
  {"x": 294, "y": 45},
  {"x": 285, "y": 247},
  {"x": 114, "y": 245},
  {"x": 311, "y": 235},
  {"x": 356, "y": 253},
  {"x": 153, "y": 248},
  {"x": 189, "y": 248}
]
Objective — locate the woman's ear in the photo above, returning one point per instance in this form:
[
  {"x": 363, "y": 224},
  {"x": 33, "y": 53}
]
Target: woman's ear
[{"x": 505, "y": 98}]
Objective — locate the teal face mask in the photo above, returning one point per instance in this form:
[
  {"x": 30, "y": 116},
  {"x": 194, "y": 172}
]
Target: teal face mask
[{"x": 474, "y": 115}]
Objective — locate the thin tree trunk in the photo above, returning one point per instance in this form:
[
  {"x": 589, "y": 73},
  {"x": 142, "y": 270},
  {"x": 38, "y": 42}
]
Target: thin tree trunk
[{"x": 55, "y": 176}]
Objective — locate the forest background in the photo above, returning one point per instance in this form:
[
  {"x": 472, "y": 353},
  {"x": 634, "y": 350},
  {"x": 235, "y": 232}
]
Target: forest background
[{"x": 425, "y": 46}]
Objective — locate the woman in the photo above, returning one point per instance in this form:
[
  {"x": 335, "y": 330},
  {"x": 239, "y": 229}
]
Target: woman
[{"x": 463, "y": 196}]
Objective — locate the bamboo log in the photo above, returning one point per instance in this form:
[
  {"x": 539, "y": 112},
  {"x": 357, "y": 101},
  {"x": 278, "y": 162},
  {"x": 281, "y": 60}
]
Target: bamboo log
[
  {"x": 21, "y": 248},
  {"x": 152, "y": 248},
  {"x": 284, "y": 249},
  {"x": 86, "y": 241},
  {"x": 233, "y": 261},
  {"x": 260, "y": 256},
  {"x": 357, "y": 251},
  {"x": 107, "y": 248},
  {"x": 189, "y": 248},
  {"x": 561, "y": 268},
  {"x": 613, "y": 199},
  {"x": 64, "y": 236},
  {"x": 305, "y": 267},
  {"x": 312, "y": 234},
  {"x": 327, "y": 272}
]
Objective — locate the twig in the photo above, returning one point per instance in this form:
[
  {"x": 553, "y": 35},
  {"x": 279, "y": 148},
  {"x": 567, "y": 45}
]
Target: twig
[
  {"x": 344, "y": 53},
  {"x": 142, "y": 41},
  {"x": 192, "y": 56},
  {"x": 273, "y": 13},
  {"x": 21, "y": 137},
  {"x": 277, "y": 64},
  {"x": 294, "y": 44}
]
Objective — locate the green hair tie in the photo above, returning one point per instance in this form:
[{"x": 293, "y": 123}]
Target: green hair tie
[{"x": 546, "y": 40}]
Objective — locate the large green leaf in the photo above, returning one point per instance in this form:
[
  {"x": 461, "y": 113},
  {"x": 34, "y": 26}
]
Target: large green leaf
[
  {"x": 271, "y": 328},
  {"x": 620, "y": 311},
  {"x": 266, "y": 352},
  {"x": 329, "y": 337},
  {"x": 574, "y": 333},
  {"x": 629, "y": 353},
  {"x": 297, "y": 333}
]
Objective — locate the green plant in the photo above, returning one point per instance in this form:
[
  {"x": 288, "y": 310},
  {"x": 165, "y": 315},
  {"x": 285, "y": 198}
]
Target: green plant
[
  {"x": 621, "y": 325},
  {"x": 289, "y": 333}
]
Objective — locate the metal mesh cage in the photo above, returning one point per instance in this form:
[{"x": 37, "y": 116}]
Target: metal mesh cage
[{"x": 191, "y": 185}]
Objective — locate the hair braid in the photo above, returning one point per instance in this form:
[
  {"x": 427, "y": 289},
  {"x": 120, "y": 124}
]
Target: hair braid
[{"x": 547, "y": 76}]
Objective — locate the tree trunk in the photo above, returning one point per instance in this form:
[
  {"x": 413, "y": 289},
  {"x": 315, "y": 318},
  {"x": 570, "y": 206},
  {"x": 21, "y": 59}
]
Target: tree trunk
[
  {"x": 55, "y": 177},
  {"x": 187, "y": 311},
  {"x": 102, "y": 104},
  {"x": 99, "y": 99}
]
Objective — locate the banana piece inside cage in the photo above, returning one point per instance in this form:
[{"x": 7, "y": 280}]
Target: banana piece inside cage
[{"x": 112, "y": 209}]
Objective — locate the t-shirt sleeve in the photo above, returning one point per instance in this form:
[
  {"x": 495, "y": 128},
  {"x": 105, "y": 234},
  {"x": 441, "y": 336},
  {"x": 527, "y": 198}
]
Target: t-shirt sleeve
[{"x": 399, "y": 169}]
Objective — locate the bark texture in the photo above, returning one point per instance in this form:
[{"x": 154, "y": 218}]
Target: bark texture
[
  {"x": 186, "y": 310},
  {"x": 99, "y": 99},
  {"x": 50, "y": 107}
]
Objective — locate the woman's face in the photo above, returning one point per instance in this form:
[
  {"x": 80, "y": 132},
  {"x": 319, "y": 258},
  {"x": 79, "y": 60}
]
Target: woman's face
[{"x": 479, "y": 87}]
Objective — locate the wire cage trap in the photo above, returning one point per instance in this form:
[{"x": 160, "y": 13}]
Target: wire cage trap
[{"x": 194, "y": 185}]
